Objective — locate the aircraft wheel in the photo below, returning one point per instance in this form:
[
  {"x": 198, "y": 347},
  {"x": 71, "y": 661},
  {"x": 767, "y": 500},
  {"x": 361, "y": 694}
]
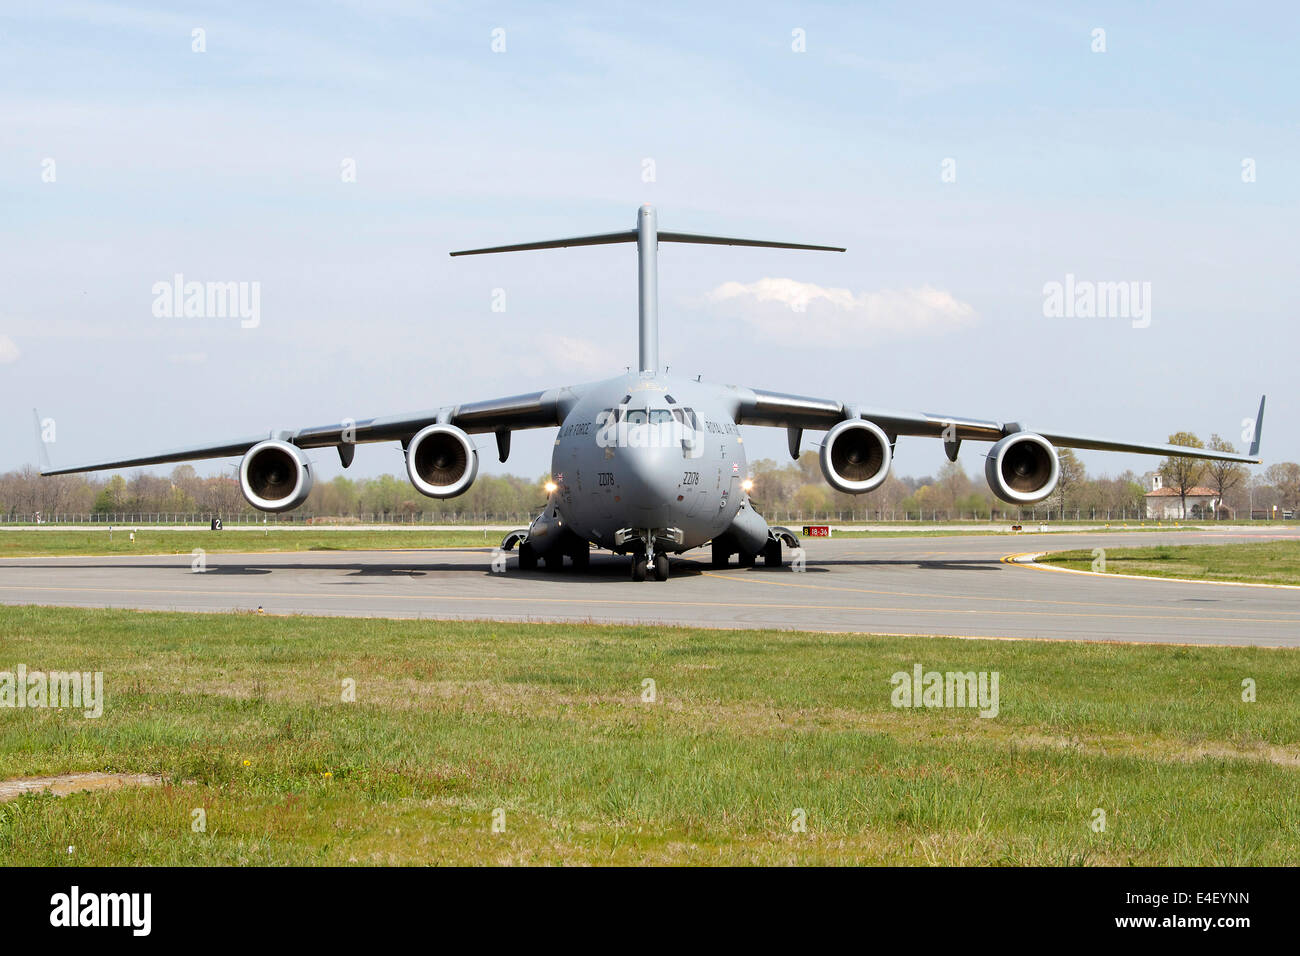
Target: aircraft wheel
[
  {"x": 638, "y": 567},
  {"x": 554, "y": 561},
  {"x": 772, "y": 554},
  {"x": 661, "y": 567},
  {"x": 581, "y": 558},
  {"x": 720, "y": 556},
  {"x": 527, "y": 557},
  {"x": 748, "y": 560}
]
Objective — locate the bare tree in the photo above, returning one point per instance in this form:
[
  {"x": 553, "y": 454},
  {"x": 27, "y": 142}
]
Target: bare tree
[
  {"x": 1285, "y": 478},
  {"x": 1180, "y": 473},
  {"x": 1225, "y": 475},
  {"x": 1072, "y": 475},
  {"x": 951, "y": 485}
]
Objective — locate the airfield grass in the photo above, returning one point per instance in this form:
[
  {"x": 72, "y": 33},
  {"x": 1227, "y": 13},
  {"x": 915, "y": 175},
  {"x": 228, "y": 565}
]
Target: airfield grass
[
  {"x": 243, "y": 718},
  {"x": 1264, "y": 562},
  {"x": 26, "y": 544}
]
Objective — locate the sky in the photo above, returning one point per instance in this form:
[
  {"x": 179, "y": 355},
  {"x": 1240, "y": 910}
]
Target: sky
[{"x": 334, "y": 153}]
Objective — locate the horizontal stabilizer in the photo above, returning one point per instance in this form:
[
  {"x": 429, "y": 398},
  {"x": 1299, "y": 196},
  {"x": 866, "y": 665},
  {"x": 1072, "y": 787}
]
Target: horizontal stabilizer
[
  {"x": 631, "y": 236},
  {"x": 600, "y": 240},
  {"x": 725, "y": 241}
]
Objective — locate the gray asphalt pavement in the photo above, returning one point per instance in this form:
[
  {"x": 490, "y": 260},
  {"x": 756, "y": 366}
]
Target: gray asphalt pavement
[{"x": 923, "y": 586}]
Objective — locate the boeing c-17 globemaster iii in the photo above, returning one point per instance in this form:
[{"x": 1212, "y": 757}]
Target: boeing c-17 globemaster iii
[{"x": 647, "y": 464}]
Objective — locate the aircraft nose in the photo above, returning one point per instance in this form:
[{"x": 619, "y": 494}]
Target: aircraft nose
[{"x": 649, "y": 476}]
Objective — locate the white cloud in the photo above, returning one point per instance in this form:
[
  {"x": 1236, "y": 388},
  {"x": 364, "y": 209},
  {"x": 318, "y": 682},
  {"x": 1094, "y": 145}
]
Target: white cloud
[
  {"x": 8, "y": 350},
  {"x": 578, "y": 356},
  {"x": 786, "y": 310}
]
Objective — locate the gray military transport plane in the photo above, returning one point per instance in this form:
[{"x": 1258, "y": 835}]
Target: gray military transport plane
[{"x": 647, "y": 464}]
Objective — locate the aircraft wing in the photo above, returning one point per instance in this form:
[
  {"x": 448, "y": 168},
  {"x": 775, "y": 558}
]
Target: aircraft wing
[
  {"x": 797, "y": 412},
  {"x": 499, "y": 415}
]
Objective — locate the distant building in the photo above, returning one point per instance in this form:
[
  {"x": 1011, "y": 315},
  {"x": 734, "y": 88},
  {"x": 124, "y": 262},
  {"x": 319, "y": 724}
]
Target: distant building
[{"x": 1165, "y": 503}]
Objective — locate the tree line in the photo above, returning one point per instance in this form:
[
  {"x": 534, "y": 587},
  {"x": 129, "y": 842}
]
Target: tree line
[
  {"x": 798, "y": 488},
  {"x": 783, "y": 490}
]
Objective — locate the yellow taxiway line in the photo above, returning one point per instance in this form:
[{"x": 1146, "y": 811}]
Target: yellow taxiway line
[{"x": 1025, "y": 559}]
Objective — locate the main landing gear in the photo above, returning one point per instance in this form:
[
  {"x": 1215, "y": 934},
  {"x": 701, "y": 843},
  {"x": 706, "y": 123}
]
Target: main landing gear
[
  {"x": 570, "y": 546},
  {"x": 724, "y": 547},
  {"x": 527, "y": 557},
  {"x": 722, "y": 555}
]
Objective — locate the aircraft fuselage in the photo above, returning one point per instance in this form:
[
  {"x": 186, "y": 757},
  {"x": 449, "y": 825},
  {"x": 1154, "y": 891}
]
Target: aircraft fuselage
[{"x": 648, "y": 453}]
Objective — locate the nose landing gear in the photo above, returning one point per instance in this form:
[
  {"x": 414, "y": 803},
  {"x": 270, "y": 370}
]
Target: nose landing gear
[{"x": 647, "y": 561}]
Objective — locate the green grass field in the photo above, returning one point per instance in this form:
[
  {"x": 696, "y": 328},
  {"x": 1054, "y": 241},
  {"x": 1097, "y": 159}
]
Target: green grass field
[
  {"x": 1264, "y": 562},
  {"x": 243, "y": 718},
  {"x": 26, "y": 544}
]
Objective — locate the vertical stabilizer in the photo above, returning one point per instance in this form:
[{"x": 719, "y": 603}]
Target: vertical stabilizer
[{"x": 647, "y": 254}]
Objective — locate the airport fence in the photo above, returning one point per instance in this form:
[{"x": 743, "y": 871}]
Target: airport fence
[
  {"x": 259, "y": 518},
  {"x": 521, "y": 519}
]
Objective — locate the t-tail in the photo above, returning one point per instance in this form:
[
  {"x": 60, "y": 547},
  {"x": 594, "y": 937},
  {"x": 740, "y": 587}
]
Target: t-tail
[{"x": 647, "y": 237}]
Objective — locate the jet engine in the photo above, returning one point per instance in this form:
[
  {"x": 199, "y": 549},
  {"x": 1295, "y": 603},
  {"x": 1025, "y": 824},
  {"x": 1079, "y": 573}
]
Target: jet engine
[
  {"x": 855, "y": 456},
  {"x": 1022, "y": 468},
  {"x": 275, "y": 476},
  {"x": 441, "y": 461}
]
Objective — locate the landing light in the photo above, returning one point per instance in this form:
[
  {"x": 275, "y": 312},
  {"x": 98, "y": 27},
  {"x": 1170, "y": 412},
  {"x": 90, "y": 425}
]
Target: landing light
[
  {"x": 551, "y": 487},
  {"x": 747, "y": 485}
]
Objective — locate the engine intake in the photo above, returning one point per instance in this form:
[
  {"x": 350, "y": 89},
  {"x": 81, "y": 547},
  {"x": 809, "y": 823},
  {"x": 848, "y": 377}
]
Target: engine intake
[
  {"x": 1022, "y": 468},
  {"x": 275, "y": 476},
  {"x": 855, "y": 456},
  {"x": 441, "y": 461}
]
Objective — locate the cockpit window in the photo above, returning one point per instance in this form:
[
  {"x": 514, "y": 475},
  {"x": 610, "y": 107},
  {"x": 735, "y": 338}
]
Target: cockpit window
[
  {"x": 635, "y": 416},
  {"x": 660, "y": 416}
]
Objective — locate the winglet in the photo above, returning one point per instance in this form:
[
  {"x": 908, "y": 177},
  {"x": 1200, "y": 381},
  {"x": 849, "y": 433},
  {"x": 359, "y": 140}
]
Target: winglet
[
  {"x": 1259, "y": 428},
  {"x": 42, "y": 449}
]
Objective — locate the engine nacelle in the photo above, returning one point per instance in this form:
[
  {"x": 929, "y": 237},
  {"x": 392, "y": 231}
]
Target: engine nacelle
[
  {"x": 275, "y": 476},
  {"x": 1022, "y": 468},
  {"x": 855, "y": 456},
  {"x": 441, "y": 461}
]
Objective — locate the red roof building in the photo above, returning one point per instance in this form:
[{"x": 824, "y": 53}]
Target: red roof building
[{"x": 1166, "y": 503}]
